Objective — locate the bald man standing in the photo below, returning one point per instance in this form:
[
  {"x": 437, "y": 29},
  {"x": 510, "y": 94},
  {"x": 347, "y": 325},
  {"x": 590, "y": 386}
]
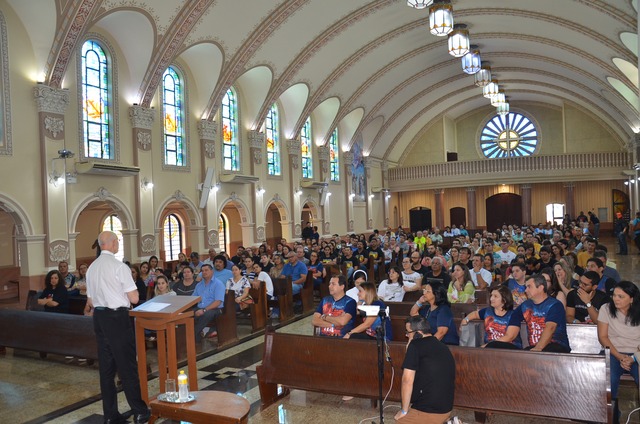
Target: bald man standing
[{"x": 111, "y": 291}]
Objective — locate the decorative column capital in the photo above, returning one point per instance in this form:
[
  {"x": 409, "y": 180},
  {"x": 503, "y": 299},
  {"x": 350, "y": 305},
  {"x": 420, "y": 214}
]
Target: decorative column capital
[
  {"x": 293, "y": 147},
  {"x": 471, "y": 189},
  {"x": 323, "y": 157},
  {"x": 142, "y": 117},
  {"x": 384, "y": 166},
  {"x": 207, "y": 130},
  {"x": 569, "y": 184},
  {"x": 256, "y": 139},
  {"x": 438, "y": 191},
  {"x": 51, "y": 100},
  {"x": 525, "y": 186},
  {"x": 348, "y": 158}
]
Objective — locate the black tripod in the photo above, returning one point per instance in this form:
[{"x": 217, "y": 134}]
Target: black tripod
[{"x": 381, "y": 342}]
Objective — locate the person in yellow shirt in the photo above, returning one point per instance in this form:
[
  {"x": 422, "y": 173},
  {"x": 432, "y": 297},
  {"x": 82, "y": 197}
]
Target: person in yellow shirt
[{"x": 585, "y": 255}]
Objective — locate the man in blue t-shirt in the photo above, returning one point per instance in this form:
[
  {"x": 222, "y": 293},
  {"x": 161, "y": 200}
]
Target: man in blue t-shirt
[
  {"x": 297, "y": 271},
  {"x": 335, "y": 312},
  {"x": 211, "y": 292},
  {"x": 545, "y": 319},
  {"x": 516, "y": 284}
]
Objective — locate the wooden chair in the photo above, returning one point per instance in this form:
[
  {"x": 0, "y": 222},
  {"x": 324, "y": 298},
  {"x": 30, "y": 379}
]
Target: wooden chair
[{"x": 259, "y": 309}]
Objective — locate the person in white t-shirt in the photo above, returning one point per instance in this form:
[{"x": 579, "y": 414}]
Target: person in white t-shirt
[
  {"x": 412, "y": 280},
  {"x": 479, "y": 275},
  {"x": 261, "y": 276},
  {"x": 505, "y": 255},
  {"x": 390, "y": 290}
]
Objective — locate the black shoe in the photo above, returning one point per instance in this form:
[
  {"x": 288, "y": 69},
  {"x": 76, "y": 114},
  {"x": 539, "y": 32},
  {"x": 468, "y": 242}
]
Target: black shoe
[
  {"x": 142, "y": 418},
  {"x": 121, "y": 419}
]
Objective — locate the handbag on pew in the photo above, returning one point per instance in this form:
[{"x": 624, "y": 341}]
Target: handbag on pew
[
  {"x": 244, "y": 303},
  {"x": 471, "y": 335}
]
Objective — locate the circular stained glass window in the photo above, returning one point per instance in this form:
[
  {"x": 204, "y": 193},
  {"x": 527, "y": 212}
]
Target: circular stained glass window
[{"x": 508, "y": 136}]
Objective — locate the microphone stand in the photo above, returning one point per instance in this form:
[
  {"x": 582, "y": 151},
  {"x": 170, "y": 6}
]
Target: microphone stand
[{"x": 381, "y": 340}]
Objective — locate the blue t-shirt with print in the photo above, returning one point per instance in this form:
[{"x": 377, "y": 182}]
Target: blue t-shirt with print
[
  {"x": 536, "y": 317},
  {"x": 517, "y": 291},
  {"x": 442, "y": 317},
  {"x": 495, "y": 326},
  {"x": 371, "y": 331},
  {"x": 335, "y": 308}
]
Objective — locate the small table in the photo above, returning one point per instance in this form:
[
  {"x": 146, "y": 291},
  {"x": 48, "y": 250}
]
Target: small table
[{"x": 209, "y": 407}]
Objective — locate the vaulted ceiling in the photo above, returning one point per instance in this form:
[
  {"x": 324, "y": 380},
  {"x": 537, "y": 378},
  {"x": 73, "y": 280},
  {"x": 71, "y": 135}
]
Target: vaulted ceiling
[{"x": 370, "y": 67}]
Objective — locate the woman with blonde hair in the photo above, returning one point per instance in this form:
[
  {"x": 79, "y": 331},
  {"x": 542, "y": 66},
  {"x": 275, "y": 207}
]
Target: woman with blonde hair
[
  {"x": 564, "y": 276},
  {"x": 367, "y": 330}
]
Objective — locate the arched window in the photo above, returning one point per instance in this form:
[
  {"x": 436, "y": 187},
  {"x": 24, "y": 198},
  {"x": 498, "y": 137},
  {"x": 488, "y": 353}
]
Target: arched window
[
  {"x": 96, "y": 102},
  {"x": 305, "y": 146},
  {"x": 173, "y": 112},
  {"x": 223, "y": 233},
  {"x": 555, "y": 213},
  {"x": 230, "y": 131},
  {"x": 273, "y": 141},
  {"x": 334, "y": 156},
  {"x": 172, "y": 237},
  {"x": 507, "y": 136},
  {"x": 113, "y": 223}
]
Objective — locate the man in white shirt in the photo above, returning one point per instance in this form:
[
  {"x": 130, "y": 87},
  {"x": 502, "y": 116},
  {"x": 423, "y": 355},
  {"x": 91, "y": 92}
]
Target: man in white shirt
[
  {"x": 110, "y": 293},
  {"x": 505, "y": 255},
  {"x": 481, "y": 277}
]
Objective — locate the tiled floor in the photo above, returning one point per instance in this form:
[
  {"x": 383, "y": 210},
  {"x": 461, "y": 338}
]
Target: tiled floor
[{"x": 53, "y": 390}]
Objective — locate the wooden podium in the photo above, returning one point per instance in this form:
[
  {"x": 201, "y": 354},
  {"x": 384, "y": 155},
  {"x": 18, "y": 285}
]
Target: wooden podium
[{"x": 162, "y": 314}]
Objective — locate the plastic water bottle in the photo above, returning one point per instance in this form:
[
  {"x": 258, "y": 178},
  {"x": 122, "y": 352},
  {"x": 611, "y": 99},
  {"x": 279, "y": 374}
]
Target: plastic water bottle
[{"x": 183, "y": 387}]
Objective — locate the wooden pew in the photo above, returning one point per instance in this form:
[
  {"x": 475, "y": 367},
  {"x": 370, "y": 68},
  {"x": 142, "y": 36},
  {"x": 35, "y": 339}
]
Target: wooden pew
[
  {"x": 226, "y": 324},
  {"x": 48, "y": 332},
  {"x": 564, "y": 386},
  {"x": 259, "y": 309},
  {"x": 283, "y": 289},
  {"x": 306, "y": 295}
]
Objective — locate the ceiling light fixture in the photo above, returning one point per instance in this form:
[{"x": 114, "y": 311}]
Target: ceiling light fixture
[
  {"x": 491, "y": 89},
  {"x": 471, "y": 62},
  {"x": 483, "y": 76},
  {"x": 503, "y": 109},
  {"x": 498, "y": 99},
  {"x": 419, "y": 4},
  {"x": 441, "y": 18},
  {"x": 459, "y": 40}
]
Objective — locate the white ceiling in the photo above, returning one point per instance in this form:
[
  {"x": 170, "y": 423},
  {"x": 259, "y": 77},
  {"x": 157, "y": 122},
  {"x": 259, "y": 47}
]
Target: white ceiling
[{"x": 370, "y": 67}]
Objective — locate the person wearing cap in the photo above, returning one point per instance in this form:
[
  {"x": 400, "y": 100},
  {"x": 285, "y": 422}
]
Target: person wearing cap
[{"x": 620, "y": 230}]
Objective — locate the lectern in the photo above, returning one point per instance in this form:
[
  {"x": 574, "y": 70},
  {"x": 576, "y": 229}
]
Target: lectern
[{"x": 162, "y": 314}]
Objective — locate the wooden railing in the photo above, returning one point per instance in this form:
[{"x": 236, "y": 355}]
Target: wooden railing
[{"x": 577, "y": 166}]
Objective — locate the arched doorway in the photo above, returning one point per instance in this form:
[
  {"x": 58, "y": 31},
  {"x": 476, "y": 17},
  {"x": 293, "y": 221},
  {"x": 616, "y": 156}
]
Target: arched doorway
[
  {"x": 620, "y": 203},
  {"x": 419, "y": 218},
  {"x": 15, "y": 230},
  {"x": 275, "y": 215},
  {"x": 503, "y": 208},
  {"x": 94, "y": 218},
  {"x": 309, "y": 214},
  {"x": 458, "y": 216}
]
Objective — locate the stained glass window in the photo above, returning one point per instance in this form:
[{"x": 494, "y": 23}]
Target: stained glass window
[
  {"x": 112, "y": 223},
  {"x": 95, "y": 101},
  {"x": 510, "y": 135},
  {"x": 305, "y": 146},
  {"x": 273, "y": 141},
  {"x": 334, "y": 156},
  {"x": 230, "y": 131},
  {"x": 172, "y": 110},
  {"x": 172, "y": 237}
]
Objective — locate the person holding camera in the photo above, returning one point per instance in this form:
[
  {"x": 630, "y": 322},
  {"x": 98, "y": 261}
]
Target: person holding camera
[{"x": 428, "y": 376}]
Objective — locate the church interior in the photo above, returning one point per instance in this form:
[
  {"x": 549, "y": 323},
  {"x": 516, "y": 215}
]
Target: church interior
[{"x": 190, "y": 125}]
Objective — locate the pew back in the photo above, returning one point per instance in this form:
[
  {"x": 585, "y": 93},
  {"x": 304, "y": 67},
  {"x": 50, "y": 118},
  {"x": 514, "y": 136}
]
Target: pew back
[{"x": 565, "y": 386}]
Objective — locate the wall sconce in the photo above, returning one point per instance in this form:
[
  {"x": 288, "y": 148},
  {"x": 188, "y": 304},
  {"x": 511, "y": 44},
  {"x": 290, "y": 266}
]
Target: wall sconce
[
  {"x": 56, "y": 178},
  {"x": 298, "y": 191},
  {"x": 146, "y": 184},
  {"x": 329, "y": 194},
  {"x": 352, "y": 195},
  {"x": 260, "y": 191},
  {"x": 371, "y": 196},
  {"x": 388, "y": 196}
]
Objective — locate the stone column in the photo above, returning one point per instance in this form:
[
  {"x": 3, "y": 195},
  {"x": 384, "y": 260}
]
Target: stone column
[
  {"x": 207, "y": 132},
  {"x": 293, "y": 148},
  {"x": 52, "y": 104},
  {"x": 256, "y": 146},
  {"x": 569, "y": 194},
  {"x": 525, "y": 192},
  {"x": 347, "y": 158},
  {"x": 472, "y": 220},
  {"x": 368, "y": 162},
  {"x": 386, "y": 195},
  {"x": 439, "y": 193},
  {"x": 31, "y": 248},
  {"x": 142, "y": 119}
]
